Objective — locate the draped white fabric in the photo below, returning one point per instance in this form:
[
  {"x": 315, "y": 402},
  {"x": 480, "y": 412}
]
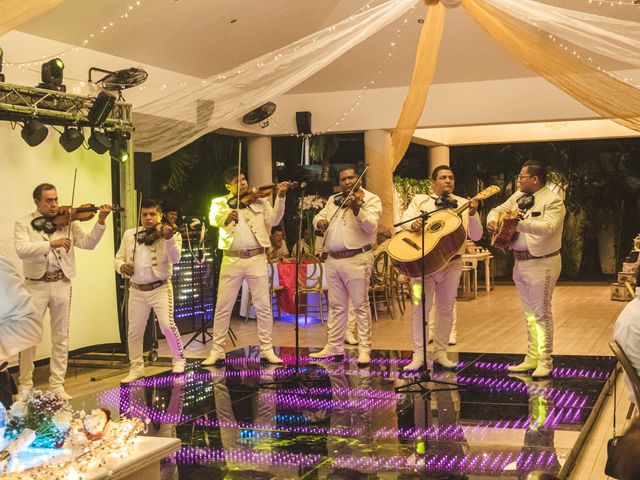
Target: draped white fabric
[
  {"x": 607, "y": 36},
  {"x": 165, "y": 125}
]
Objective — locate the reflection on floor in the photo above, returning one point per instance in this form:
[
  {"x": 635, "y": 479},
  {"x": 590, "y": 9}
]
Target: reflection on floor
[{"x": 336, "y": 421}]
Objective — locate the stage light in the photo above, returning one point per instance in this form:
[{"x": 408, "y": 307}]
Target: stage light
[
  {"x": 101, "y": 108},
  {"x": 71, "y": 138},
  {"x": 1, "y": 74},
  {"x": 52, "y": 75},
  {"x": 99, "y": 142},
  {"x": 34, "y": 132},
  {"x": 119, "y": 150}
]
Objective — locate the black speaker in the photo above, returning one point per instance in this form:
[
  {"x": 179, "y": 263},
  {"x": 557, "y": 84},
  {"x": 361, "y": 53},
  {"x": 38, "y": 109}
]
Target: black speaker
[
  {"x": 303, "y": 122},
  {"x": 142, "y": 173}
]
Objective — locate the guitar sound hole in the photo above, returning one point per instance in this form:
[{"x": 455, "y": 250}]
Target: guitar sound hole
[{"x": 435, "y": 226}]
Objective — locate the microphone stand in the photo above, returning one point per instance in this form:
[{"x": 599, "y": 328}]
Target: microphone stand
[
  {"x": 419, "y": 385},
  {"x": 298, "y": 377}
]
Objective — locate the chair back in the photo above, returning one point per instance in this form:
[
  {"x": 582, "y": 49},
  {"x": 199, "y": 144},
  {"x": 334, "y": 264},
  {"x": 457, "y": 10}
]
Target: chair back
[
  {"x": 313, "y": 281},
  {"x": 628, "y": 368},
  {"x": 380, "y": 274},
  {"x": 271, "y": 266}
]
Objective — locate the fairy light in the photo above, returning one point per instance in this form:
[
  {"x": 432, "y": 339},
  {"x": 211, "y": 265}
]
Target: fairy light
[{"x": 614, "y": 3}]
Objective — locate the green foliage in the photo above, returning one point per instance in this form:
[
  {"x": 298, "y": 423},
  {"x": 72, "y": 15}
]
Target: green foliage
[{"x": 407, "y": 188}]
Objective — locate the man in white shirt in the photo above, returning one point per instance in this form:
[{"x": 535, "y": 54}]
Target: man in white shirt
[
  {"x": 349, "y": 234},
  {"x": 536, "y": 250},
  {"x": 146, "y": 256},
  {"x": 278, "y": 249},
  {"x": 20, "y": 326},
  {"x": 441, "y": 286},
  {"x": 244, "y": 239},
  {"x": 48, "y": 259}
]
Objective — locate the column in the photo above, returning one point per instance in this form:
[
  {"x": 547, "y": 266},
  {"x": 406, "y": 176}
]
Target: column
[
  {"x": 379, "y": 176},
  {"x": 259, "y": 163},
  {"x": 438, "y": 155}
]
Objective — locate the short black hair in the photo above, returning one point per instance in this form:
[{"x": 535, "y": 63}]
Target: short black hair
[
  {"x": 151, "y": 203},
  {"x": 230, "y": 173},
  {"x": 37, "y": 192},
  {"x": 536, "y": 169},
  {"x": 438, "y": 169},
  {"x": 169, "y": 206},
  {"x": 349, "y": 166},
  {"x": 276, "y": 228}
]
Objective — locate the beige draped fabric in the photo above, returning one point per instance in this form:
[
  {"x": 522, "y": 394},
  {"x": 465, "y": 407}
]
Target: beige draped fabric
[
  {"x": 16, "y": 12},
  {"x": 423, "y": 72},
  {"x": 606, "y": 95}
]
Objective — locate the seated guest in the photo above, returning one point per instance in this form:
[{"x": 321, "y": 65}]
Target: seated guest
[
  {"x": 626, "y": 332},
  {"x": 278, "y": 249},
  {"x": 305, "y": 243},
  {"x": 628, "y": 452}
]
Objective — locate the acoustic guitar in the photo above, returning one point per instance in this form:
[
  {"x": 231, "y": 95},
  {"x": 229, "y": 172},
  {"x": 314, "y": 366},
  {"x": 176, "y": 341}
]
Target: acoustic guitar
[
  {"x": 444, "y": 235},
  {"x": 508, "y": 223}
]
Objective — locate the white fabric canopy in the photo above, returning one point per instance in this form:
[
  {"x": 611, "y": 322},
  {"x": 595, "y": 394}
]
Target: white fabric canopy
[{"x": 165, "y": 125}]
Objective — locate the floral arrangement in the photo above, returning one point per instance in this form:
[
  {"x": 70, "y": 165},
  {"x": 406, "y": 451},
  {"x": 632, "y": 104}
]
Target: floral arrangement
[
  {"x": 311, "y": 204},
  {"x": 44, "y": 413}
]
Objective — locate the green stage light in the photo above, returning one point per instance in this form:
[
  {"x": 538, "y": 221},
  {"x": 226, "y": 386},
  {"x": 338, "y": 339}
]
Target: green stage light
[
  {"x": 119, "y": 150},
  {"x": 51, "y": 72}
]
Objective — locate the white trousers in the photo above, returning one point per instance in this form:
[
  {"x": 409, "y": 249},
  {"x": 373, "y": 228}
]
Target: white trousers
[
  {"x": 348, "y": 284},
  {"x": 140, "y": 304},
  {"x": 57, "y": 297},
  {"x": 441, "y": 290},
  {"x": 232, "y": 272},
  {"x": 535, "y": 280}
]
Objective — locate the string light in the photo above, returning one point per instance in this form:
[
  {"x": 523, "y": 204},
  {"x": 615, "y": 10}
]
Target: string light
[{"x": 612, "y": 3}]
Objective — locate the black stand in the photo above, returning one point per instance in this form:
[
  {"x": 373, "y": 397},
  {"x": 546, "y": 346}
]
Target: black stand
[
  {"x": 419, "y": 385},
  {"x": 299, "y": 377}
]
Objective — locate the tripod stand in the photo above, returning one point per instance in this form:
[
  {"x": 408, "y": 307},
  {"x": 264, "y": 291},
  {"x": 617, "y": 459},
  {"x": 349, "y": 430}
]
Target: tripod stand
[{"x": 419, "y": 385}]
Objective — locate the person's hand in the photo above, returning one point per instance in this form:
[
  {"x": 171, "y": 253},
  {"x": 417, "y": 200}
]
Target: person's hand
[
  {"x": 323, "y": 225},
  {"x": 232, "y": 217},
  {"x": 105, "y": 210},
  {"x": 416, "y": 225},
  {"x": 167, "y": 231},
  {"x": 473, "y": 206},
  {"x": 61, "y": 242},
  {"x": 127, "y": 269},
  {"x": 492, "y": 226},
  {"x": 282, "y": 188}
]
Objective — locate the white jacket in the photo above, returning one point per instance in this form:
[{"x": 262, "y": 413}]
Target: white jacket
[
  {"x": 358, "y": 231},
  {"x": 542, "y": 225},
  {"x": 20, "y": 327},
  {"x": 260, "y": 216},
  {"x": 166, "y": 253},
  {"x": 33, "y": 247},
  {"x": 426, "y": 203}
]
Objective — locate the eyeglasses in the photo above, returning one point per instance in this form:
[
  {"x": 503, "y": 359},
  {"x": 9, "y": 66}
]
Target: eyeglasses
[{"x": 520, "y": 177}]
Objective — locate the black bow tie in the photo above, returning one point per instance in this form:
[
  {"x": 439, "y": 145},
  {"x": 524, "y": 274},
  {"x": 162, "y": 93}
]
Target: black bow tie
[{"x": 446, "y": 201}]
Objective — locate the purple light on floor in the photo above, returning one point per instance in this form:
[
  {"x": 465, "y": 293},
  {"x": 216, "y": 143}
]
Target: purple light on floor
[
  {"x": 196, "y": 455},
  {"x": 563, "y": 372},
  {"x": 298, "y": 401}
]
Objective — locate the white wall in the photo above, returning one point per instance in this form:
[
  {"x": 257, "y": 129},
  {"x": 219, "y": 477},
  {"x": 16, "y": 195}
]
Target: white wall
[{"x": 93, "y": 306}]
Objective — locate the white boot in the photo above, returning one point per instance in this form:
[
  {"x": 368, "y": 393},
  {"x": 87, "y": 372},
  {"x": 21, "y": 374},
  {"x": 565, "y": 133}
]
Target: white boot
[
  {"x": 214, "y": 358},
  {"x": 179, "y": 365},
  {"x": 417, "y": 363},
  {"x": 441, "y": 359},
  {"x": 541, "y": 371},
  {"x": 134, "y": 374},
  {"x": 453, "y": 337},
  {"x": 350, "y": 338},
  {"x": 327, "y": 351},
  {"x": 529, "y": 363},
  {"x": 270, "y": 357},
  {"x": 364, "y": 358},
  {"x": 60, "y": 393}
]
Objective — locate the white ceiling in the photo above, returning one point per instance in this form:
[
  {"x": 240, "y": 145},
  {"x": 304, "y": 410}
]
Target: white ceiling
[{"x": 205, "y": 37}]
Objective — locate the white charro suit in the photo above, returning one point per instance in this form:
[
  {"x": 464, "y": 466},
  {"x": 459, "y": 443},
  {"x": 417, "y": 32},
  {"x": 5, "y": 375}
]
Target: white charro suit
[
  {"x": 539, "y": 233},
  {"x": 152, "y": 264},
  {"x": 441, "y": 286},
  {"x": 38, "y": 258},
  {"x": 348, "y": 278},
  {"x": 250, "y": 232}
]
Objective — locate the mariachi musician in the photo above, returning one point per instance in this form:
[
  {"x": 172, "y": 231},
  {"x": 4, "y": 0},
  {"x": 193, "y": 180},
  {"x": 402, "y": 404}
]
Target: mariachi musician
[
  {"x": 47, "y": 248},
  {"x": 349, "y": 221},
  {"x": 441, "y": 286},
  {"x": 245, "y": 218},
  {"x": 536, "y": 251}
]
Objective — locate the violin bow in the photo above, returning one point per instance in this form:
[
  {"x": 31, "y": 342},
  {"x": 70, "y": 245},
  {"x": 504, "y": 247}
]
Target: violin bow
[
  {"x": 353, "y": 189},
  {"x": 73, "y": 196},
  {"x": 238, "y": 178},
  {"x": 135, "y": 230}
]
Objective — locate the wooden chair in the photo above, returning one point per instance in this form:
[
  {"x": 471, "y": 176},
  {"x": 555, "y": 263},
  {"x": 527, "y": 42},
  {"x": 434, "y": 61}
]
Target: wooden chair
[
  {"x": 400, "y": 288},
  {"x": 380, "y": 285},
  {"x": 273, "y": 292},
  {"x": 313, "y": 285},
  {"x": 630, "y": 372}
]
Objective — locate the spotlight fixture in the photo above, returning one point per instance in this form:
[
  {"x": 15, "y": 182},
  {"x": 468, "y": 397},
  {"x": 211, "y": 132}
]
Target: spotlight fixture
[
  {"x": 101, "y": 108},
  {"x": 34, "y": 132},
  {"x": 52, "y": 75},
  {"x": 99, "y": 142},
  {"x": 1, "y": 74},
  {"x": 71, "y": 138},
  {"x": 120, "y": 79},
  {"x": 119, "y": 150}
]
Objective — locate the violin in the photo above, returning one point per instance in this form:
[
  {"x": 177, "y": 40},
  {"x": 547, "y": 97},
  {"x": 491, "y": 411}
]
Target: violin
[
  {"x": 67, "y": 214},
  {"x": 356, "y": 197},
  {"x": 151, "y": 235},
  {"x": 255, "y": 193}
]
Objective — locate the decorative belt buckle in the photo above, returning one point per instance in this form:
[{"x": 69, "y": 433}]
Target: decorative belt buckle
[{"x": 244, "y": 253}]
